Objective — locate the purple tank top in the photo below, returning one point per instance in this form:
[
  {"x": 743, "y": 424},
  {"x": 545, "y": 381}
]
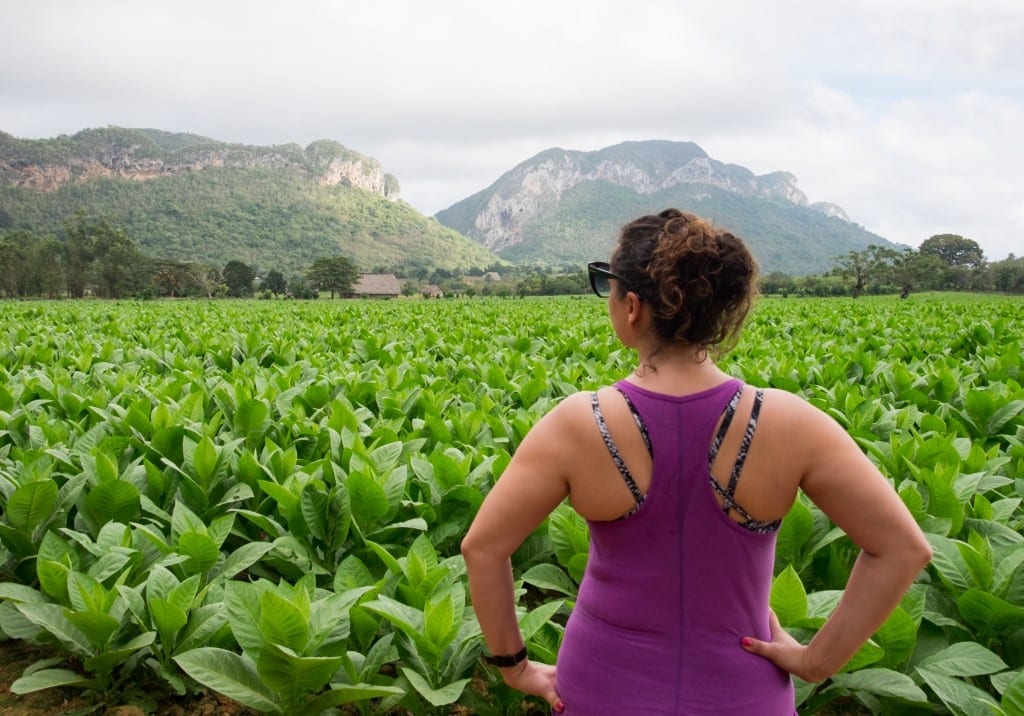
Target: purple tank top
[{"x": 671, "y": 589}]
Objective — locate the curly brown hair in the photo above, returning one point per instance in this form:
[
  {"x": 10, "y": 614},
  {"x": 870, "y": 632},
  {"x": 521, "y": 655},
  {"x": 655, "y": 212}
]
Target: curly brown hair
[{"x": 700, "y": 282}]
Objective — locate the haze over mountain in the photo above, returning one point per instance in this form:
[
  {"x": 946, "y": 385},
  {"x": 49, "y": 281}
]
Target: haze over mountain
[{"x": 566, "y": 207}]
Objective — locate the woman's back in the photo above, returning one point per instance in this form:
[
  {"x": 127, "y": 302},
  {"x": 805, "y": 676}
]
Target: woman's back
[{"x": 675, "y": 585}]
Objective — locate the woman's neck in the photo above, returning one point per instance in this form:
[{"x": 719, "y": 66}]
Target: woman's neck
[{"x": 676, "y": 369}]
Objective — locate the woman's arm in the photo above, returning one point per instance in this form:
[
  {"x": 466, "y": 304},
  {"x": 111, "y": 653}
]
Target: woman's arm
[
  {"x": 533, "y": 484},
  {"x": 851, "y": 491}
]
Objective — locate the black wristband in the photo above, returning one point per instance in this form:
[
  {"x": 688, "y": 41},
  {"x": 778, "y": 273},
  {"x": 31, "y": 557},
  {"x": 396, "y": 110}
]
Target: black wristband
[{"x": 506, "y": 659}]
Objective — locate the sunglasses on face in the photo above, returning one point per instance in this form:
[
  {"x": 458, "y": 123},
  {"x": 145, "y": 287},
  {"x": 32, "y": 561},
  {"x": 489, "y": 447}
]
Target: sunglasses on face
[{"x": 600, "y": 272}]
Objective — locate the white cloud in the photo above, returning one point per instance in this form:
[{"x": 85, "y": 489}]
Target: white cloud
[{"x": 907, "y": 113}]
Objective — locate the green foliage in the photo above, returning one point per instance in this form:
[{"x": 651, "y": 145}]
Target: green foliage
[
  {"x": 265, "y": 206},
  {"x": 267, "y": 498},
  {"x": 336, "y": 274}
]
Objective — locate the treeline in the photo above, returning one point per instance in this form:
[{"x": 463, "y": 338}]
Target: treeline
[
  {"x": 944, "y": 262},
  {"x": 94, "y": 258}
]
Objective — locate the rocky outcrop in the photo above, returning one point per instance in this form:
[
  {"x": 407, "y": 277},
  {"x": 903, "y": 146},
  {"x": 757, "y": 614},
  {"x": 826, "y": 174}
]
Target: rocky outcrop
[
  {"x": 142, "y": 155},
  {"x": 829, "y": 209},
  {"x": 524, "y": 193}
]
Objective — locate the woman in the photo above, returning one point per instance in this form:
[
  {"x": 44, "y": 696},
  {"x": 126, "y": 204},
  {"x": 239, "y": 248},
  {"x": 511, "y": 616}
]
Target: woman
[{"x": 684, "y": 474}]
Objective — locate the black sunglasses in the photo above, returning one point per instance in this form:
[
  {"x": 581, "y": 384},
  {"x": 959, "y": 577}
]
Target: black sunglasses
[{"x": 600, "y": 272}]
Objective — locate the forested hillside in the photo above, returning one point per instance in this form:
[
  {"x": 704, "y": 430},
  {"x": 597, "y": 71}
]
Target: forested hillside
[
  {"x": 565, "y": 206},
  {"x": 186, "y": 198}
]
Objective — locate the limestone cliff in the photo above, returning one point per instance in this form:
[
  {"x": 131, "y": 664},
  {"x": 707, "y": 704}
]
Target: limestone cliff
[
  {"x": 525, "y": 192},
  {"x": 562, "y": 208},
  {"x": 144, "y": 154}
]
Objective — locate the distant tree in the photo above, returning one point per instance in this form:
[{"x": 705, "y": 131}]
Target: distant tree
[
  {"x": 78, "y": 254},
  {"x": 777, "y": 282},
  {"x": 298, "y": 287},
  {"x": 907, "y": 270},
  {"x": 206, "y": 278},
  {"x": 963, "y": 259},
  {"x": 275, "y": 283},
  {"x": 1008, "y": 274},
  {"x": 171, "y": 278},
  {"x": 856, "y": 266},
  {"x": 6, "y": 220},
  {"x": 954, "y": 250},
  {"x": 13, "y": 262},
  {"x": 336, "y": 274},
  {"x": 238, "y": 277},
  {"x": 118, "y": 263}
]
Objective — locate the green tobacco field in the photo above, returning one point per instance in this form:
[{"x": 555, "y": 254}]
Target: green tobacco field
[{"x": 265, "y": 499}]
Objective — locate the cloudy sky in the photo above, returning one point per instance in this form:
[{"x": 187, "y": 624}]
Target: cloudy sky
[{"x": 907, "y": 113}]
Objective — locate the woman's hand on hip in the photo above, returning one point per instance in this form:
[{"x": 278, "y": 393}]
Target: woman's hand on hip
[
  {"x": 534, "y": 679},
  {"x": 783, "y": 650}
]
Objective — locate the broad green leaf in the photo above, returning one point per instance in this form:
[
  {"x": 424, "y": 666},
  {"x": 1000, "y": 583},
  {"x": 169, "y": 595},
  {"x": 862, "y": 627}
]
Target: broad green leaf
[
  {"x": 203, "y": 624},
  {"x": 230, "y": 674},
  {"x": 313, "y": 505},
  {"x": 897, "y": 637},
  {"x": 168, "y": 619},
  {"x": 385, "y": 457},
  {"x": 107, "y": 661},
  {"x": 958, "y": 695},
  {"x": 551, "y": 578},
  {"x": 52, "y": 619},
  {"x": 788, "y": 598},
  {"x": 447, "y": 694},
  {"x": 1013, "y": 696},
  {"x": 869, "y": 653},
  {"x": 369, "y": 501},
  {"x": 1003, "y": 415},
  {"x": 242, "y": 600},
  {"x": 284, "y": 671},
  {"x": 251, "y": 419},
  {"x": 114, "y": 501},
  {"x": 105, "y": 466},
  {"x": 348, "y": 694},
  {"x": 283, "y": 622},
  {"x": 244, "y": 557},
  {"x": 535, "y": 620},
  {"x": 949, "y": 563},
  {"x": 17, "y": 542},
  {"x": 204, "y": 461},
  {"x": 98, "y": 627},
  {"x": 31, "y": 505},
  {"x": 979, "y": 567},
  {"x": 988, "y": 613},
  {"x": 202, "y": 552},
  {"x": 881, "y": 682},
  {"x": 20, "y": 593},
  {"x": 795, "y": 534},
  {"x": 966, "y": 658},
  {"x": 53, "y": 579},
  {"x": 50, "y": 678},
  {"x": 440, "y": 620}
]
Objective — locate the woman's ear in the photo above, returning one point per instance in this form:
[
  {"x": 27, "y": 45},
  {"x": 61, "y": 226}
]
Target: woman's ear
[{"x": 634, "y": 309}]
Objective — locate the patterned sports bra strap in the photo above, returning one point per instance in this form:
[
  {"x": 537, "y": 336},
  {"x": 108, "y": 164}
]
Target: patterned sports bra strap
[
  {"x": 602, "y": 426},
  {"x": 727, "y": 417},
  {"x": 748, "y": 435},
  {"x": 640, "y": 425}
]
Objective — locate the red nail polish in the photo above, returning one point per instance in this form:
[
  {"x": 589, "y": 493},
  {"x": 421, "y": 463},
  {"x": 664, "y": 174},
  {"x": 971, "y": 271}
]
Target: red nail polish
[
  {"x": 559, "y": 706},
  {"x": 746, "y": 641}
]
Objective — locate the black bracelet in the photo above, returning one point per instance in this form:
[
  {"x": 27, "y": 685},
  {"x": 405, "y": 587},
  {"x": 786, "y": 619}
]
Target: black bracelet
[{"x": 506, "y": 659}]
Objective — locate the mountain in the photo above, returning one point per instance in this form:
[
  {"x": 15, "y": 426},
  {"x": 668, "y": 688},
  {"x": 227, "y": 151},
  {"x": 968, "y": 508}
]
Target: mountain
[
  {"x": 566, "y": 207},
  {"x": 189, "y": 198}
]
